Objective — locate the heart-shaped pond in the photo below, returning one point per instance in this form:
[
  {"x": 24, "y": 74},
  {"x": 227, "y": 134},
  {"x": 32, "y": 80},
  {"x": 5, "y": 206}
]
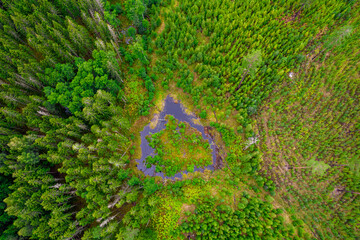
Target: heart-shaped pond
[{"x": 176, "y": 145}]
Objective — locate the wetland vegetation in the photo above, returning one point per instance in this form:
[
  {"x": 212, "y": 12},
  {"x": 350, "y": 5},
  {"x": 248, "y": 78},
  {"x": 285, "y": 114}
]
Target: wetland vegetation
[
  {"x": 179, "y": 119},
  {"x": 178, "y": 147}
]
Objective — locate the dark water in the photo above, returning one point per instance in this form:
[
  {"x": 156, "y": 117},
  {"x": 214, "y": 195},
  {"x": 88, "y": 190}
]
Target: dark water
[{"x": 175, "y": 109}]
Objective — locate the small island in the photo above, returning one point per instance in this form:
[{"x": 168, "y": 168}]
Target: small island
[{"x": 178, "y": 147}]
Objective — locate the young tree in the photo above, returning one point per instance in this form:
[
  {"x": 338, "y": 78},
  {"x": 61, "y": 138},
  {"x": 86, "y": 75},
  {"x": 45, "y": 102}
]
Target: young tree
[
  {"x": 354, "y": 165},
  {"x": 250, "y": 64},
  {"x": 138, "y": 50},
  {"x": 98, "y": 107},
  {"x": 318, "y": 167},
  {"x": 79, "y": 36},
  {"x": 136, "y": 10}
]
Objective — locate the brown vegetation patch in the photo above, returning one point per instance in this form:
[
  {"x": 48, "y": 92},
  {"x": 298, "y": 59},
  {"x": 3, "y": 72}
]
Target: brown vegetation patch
[
  {"x": 187, "y": 208},
  {"x": 219, "y": 163},
  {"x": 295, "y": 16},
  {"x": 214, "y": 191},
  {"x": 324, "y": 91},
  {"x": 162, "y": 26},
  {"x": 338, "y": 192},
  {"x": 207, "y": 131},
  {"x": 154, "y": 121},
  {"x": 203, "y": 39},
  {"x": 287, "y": 19}
]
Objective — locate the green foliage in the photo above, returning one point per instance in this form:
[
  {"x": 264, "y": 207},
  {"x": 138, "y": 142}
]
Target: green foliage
[
  {"x": 134, "y": 181},
  {"x": 131, "y": 32},
  {"x": 318, "y": 167},
  {"x": 141, "y": 215},
  {"x": 137, "y": 10},
  {"x": 298, "y": 135},
  {"x": 150, "y": 187},
  {"x": 55, "y": 158},
  {"x": 337, "y": 37},
  {"x": 7, "y": 230},
  {"x": 111, "y": 11},
  {"x": 128, "y": 234},
  {"x": 251, "y": 220},
  {"x": 91, "y": 75},
  {"x": 251, "y": 62},
  {"x": 147, "y": 234},
  {"x": 354, "y": 164},
  {"x": 203, "y": 114},
  {"x": 61, "y": 73}
]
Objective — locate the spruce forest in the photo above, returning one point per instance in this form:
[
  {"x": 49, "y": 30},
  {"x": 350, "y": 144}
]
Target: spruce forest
[{"x": 179, "y": 119}]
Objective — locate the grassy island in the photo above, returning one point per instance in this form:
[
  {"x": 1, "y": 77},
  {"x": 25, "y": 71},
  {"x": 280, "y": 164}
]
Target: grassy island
[{"x": 178, "y": 147}]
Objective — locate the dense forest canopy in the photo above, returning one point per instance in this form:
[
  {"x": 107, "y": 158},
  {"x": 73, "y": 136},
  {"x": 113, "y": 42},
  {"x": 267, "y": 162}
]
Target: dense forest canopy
[{"x": 274, "y": 84}]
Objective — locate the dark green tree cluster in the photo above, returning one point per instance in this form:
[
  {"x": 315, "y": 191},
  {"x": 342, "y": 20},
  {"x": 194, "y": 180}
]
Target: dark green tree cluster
[
  {"x": 64, "y": 130},
  {"x": 252, "y": 219},
  {"x": 138, "y": 11},
  {"x": 8, "y": 231},
  {"x": 73, "y": 91}
]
